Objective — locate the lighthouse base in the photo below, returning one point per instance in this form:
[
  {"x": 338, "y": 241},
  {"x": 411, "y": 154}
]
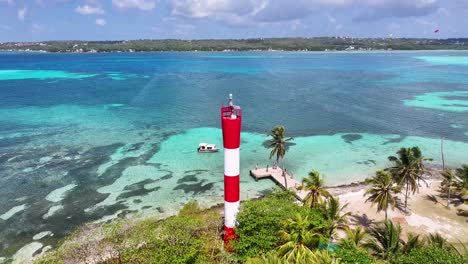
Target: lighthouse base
[{"x": 229, "y": 235}]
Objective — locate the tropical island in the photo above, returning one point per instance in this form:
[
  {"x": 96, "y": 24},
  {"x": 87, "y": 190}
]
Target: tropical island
[
  {"x": 396, "y": 216},
  {"x": 338, "y": 43}
]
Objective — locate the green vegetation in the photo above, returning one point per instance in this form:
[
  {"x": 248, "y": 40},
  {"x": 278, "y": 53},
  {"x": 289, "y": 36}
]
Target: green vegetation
[
  {"x": 193, "y": 236},
  {"x": 431, "y": 254},
  {"x": 275, "y": 229},
  {"x": 260, "y": 222},
  {"x": 287, "y": 44}
]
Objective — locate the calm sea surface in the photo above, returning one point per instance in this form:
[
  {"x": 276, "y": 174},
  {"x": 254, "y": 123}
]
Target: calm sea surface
[{"x": 91, "y": 137}]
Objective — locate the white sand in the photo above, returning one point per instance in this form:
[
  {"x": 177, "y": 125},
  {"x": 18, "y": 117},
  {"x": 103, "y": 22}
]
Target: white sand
[
  {"x": 59, "y": 194},
  {"x": 12, "y": 212},
  {"x": 426, "y": 216}
]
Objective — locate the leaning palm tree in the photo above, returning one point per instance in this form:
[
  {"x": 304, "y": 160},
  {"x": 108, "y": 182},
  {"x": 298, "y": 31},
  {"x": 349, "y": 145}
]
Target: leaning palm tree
[
  {"x": 447, "y": 183},
  {"x": 315, "y": 187},
  {"x": 278, "y": 142},
  {"x": 461, "y": 180},
  {"x": 382, "y": 192},
  {"x": 385, "y": 241},
  {"x": 334, "y": 215},
  {"x": 278, "y": 145},
  {"x": 298, "y": 236},
  {"x": 408, "y": 169}
]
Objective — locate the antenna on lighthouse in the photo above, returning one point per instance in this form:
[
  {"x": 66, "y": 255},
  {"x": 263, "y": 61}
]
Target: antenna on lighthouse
[{"x": 231, "y": 103}]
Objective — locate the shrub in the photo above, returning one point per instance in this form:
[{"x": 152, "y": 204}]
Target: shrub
[
  {"x": 353, "y": 256},
  {"x": 260, "y": 221},
  {"x": 431, "y": 255}
]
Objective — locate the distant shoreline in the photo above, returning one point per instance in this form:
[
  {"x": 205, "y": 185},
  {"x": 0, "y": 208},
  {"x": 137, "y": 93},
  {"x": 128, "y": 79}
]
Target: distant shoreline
[
  {"x": 337, "y": 43},
  {"x": 240, "y": 51}
]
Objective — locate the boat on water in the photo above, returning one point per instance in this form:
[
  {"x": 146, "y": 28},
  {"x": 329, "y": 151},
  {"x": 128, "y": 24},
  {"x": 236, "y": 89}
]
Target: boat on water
[{"x": 207, "y": 148}]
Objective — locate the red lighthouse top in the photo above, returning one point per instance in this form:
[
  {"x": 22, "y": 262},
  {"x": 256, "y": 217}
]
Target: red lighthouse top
[
  {"x": 231, "y": 117},
  {"x": 232, "y": 111}
]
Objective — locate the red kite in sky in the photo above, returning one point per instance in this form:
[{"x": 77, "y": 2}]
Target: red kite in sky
[{"x": 436, "y": 31}]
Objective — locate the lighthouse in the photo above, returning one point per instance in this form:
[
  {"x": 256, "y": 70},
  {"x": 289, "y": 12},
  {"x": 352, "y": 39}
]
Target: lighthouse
[{"x": 231, "y": 117}]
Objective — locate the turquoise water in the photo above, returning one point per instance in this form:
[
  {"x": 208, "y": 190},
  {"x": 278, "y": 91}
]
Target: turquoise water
[
  {"x": 90, "y": 137},
  {"x": 40, "y": 74},
  {"x": 454, "y": 101}
]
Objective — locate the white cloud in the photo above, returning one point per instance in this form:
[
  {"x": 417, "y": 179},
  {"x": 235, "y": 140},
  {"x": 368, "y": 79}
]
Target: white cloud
[
  {"x": 140, "y": 4},
  {"x": 100, "y": 21},
  {"x": 207, "y": 8},
  {"x": 21, "y": 14},
  {"x": 89, "y": 10},
  {"x": 249, "y": 12}
]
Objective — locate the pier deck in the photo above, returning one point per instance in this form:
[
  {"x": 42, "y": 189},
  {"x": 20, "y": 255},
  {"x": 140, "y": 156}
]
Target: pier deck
[{"x": 277, "y": 175}]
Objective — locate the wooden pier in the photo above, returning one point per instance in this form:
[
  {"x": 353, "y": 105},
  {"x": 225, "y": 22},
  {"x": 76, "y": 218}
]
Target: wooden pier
[{"x": 279, "y": 177}]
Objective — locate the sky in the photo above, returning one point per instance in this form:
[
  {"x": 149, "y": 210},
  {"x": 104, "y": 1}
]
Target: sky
[{"x": 40, "y": 20}]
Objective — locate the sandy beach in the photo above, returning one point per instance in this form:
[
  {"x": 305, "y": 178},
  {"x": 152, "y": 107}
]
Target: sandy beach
[{"x": 428, "y": 211}]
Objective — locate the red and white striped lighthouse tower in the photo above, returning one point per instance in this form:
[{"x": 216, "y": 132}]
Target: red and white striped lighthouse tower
[{"x": 231, "y": 117}]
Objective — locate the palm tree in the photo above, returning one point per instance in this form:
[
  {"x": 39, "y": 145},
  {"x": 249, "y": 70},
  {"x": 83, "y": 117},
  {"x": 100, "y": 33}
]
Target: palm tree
[
  {"x": 385, "y": 240},
  {"x": 278, "y": 145},
  {"x": 447, "y": 183},
  {"x": 437, "y": 240},
  {"x": 298, "y": 237},
  {"x": 411, "y": 243},
  {"x": 382, "y": 191},
  {"x": 334, "y": 215},
  {"x": 408, "y": 169},
  {"x": 315, "y": 185},
  {"x": 461, "y": 180},
  {"x": 354, "y": 237}
]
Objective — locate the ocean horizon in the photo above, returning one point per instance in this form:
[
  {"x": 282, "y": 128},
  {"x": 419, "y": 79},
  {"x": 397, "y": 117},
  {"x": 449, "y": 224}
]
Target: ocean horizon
[{"x": 92, "y": 137}]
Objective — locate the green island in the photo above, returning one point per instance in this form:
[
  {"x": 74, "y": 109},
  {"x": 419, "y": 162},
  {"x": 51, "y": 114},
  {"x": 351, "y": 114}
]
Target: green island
[
  {"x": 254, "y": 44},
  {"x": 326, "y": 227}
]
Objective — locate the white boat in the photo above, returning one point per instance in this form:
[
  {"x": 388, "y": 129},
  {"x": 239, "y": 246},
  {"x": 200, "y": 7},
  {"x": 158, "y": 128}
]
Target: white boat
[{"x": 205, "y": 147}]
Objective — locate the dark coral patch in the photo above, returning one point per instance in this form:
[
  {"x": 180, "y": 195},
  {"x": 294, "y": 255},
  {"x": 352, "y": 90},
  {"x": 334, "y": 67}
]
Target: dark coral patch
[
  {"x": 196, "y": 188},
  {"x": 138, "y": 185},
  {"x": 349, "y": 138},
  {"x": 137, "y": 192},
  {"x": 367, "y": 162},
  {"x": 188, "y": 178},
  {"x": 197, "y": 172}
]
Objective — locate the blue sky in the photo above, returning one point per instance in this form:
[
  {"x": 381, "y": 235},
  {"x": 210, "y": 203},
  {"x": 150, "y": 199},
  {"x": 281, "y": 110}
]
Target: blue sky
[{"x": 36, "y": 20}]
